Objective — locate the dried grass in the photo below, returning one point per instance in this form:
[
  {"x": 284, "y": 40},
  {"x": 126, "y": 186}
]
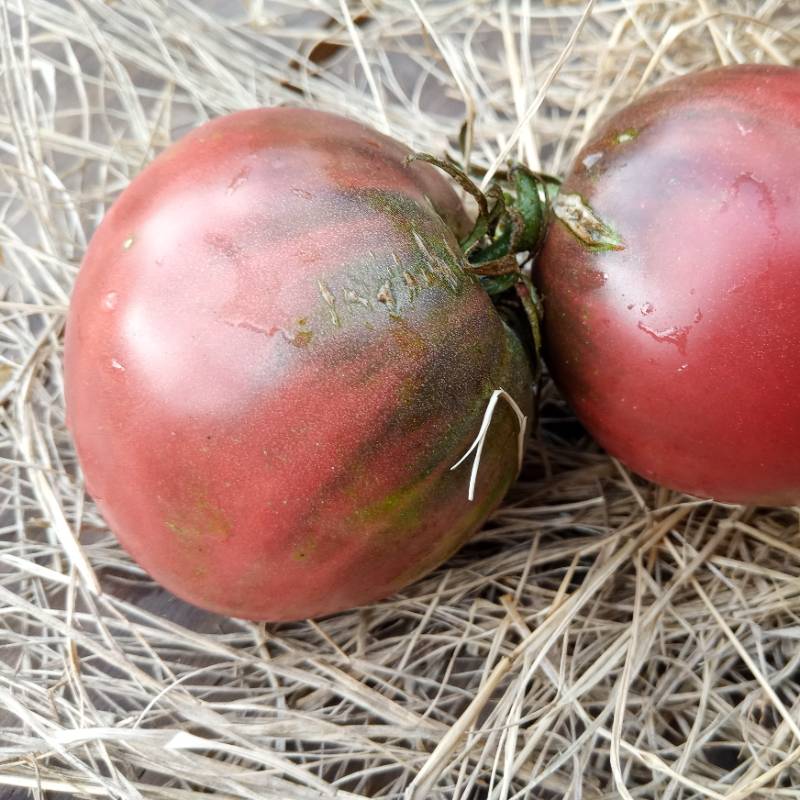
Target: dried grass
[{"x": 602, "y": 638}]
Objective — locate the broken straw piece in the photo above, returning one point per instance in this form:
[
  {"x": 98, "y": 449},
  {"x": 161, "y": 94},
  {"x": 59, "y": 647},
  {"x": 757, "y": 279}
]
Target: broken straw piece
[{"x": 478, "y": 443}]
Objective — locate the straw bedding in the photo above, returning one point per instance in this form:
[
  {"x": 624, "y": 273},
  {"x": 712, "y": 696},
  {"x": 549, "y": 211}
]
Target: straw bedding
[{"x": 601, "y": 638}]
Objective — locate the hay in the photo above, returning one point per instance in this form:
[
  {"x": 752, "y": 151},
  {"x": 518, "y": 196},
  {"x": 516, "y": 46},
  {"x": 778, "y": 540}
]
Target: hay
[{"x": 602, "y": 638}]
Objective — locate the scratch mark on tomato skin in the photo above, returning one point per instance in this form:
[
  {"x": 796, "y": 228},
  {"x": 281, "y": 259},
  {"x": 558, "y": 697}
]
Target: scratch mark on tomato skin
[
  {"x": 677, "y": 335},
  {"x": 330, "y": 301}
]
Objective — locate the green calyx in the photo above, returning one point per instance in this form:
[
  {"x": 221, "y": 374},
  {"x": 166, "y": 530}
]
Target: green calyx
[{"x": 507, "y": 235}]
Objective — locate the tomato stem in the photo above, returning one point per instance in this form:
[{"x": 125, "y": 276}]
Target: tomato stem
[{"x": 507, "y": 235}]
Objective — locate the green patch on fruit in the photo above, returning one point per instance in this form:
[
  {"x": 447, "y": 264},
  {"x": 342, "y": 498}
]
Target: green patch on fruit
[
  {"x": 408, "y": 394},
  {"x": 582, "y": 222},
  {"x": 459, "y": 532},
  {"x": 399, "y": 270},
  {"x": 305, "y": 550},
  {"x": 301, "y": 338},
  {"x": 626, "y": 136},
  {"x": 437, "y": 263},
  {"x": 480, "y": 363},
  {"x": 429, "y": 260},
  {"x": 394, "y": 516},
  {"x": 201, "y": 520},
  {"x": 409, "y": 342}
]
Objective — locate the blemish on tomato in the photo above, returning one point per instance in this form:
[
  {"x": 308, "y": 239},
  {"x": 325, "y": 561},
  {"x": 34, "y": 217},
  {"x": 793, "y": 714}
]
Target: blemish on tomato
[
  {"x": 299, "y": 339},
  {"x": 385, "y": 296},
  {"x": 351, "y": 297},
  {"x": 330, "y": 301},
  {"x": 238, "y": 180},
  {"x": 677, "y": 335},
  {"x": 626, "y": 136},
  {"x": 580, "y": 219},
  {"x": 201, "y": 519}
]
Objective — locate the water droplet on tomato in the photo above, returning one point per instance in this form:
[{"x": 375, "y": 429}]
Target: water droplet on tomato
[
  {"x": 110, "y": 301},
  {"x": 117, "y": 365}
]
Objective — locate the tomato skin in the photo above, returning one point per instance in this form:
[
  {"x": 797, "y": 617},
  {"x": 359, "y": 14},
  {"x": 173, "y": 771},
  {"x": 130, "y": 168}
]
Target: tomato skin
[
  {"x": 273, "y": 357},
  {"x": 680, "y": 352}
]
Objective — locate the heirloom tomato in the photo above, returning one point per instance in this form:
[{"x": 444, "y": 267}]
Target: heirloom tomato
[
  {"x": 275, "y": 355},
  {"x": 671, "y": 285}
]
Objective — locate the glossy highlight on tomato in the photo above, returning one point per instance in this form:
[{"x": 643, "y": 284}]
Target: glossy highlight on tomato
[
  {"x": 676, "y": 336},
  {"x": 274, "y": 355}
]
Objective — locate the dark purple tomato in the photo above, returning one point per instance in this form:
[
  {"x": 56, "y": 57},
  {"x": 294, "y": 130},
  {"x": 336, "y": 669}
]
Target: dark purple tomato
[
  {"x": 274, "y": 356},
  {"x": 673, "y": 323}
]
